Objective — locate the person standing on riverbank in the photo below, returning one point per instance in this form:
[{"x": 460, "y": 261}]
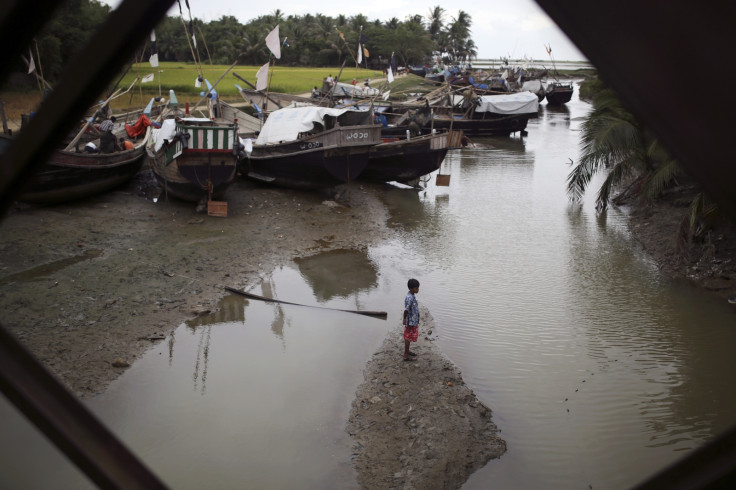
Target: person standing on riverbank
[{"x": 411, "y": 319}]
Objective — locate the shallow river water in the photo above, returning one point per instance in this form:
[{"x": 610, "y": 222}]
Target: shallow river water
[{"x": 598, "y": 369}]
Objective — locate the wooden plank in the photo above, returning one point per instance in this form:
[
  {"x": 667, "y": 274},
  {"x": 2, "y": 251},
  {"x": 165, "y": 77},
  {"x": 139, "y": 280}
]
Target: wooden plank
[{"x": 263, "y": 298}]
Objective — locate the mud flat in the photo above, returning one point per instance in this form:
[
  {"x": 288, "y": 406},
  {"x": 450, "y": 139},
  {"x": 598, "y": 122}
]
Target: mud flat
[
  {"x": 417, "y": 424},
  {"x": 88, "y": 287}
]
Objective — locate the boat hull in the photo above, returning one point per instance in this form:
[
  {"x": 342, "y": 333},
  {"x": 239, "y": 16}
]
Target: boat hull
[
  {"x": 482, "y": 124},
  {"x": 406, "y": 161},
  {"x": 326, "y": 159},
  {"x": 189, "y": 176},
  {"x": 199, "y": 163},
  {"x": 488, "y": 126},
  {"x": 559, "y": 95},
  {"x": 69, "y": 176}
]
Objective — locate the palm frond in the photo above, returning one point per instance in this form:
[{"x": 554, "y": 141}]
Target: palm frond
[
  {"x": 660, "y": 179},
  {"x": 614, "y": 178}
]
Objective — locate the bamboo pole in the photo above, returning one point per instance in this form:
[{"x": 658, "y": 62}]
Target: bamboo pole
[
  {"x": 272, "y": 300},
  {"x": 115, "y": 95},
  {"x": 215, "y": 85}
]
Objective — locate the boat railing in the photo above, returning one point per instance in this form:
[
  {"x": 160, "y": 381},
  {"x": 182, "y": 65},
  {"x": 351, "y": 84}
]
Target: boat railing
[{"x": 209, "y": 137}]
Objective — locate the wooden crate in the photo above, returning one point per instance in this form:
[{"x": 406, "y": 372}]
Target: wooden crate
[
  {"x": 217, "y": 208},
  {"x": 442, "y": 179}
]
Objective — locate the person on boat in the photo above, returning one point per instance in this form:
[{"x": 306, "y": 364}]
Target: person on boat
[
  {"x": 108, "y": 143},
  {"x": 126, "y": 144},
  {"x": 411, "y": 319},
  {"x": 330, "y": 80},
  {"x": 315, "y": 93},
  {"x": 381, "y": 119}
]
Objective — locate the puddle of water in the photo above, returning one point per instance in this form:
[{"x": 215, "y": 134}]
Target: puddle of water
[
  {"x": 256, "y": 392},
  {"x": 338, "y": 273}
]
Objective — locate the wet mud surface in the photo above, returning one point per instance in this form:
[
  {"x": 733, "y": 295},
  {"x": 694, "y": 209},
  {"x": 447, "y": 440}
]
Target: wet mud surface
[{"x": 88, "y": 287}]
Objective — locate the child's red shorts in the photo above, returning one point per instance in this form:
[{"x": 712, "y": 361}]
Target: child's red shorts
[{"x": 411, "y": 333}]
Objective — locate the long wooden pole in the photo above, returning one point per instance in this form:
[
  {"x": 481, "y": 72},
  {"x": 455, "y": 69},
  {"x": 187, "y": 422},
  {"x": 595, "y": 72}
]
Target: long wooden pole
[
  {"x": 263, "y": 298},
  {"x": 89, "y": 120},
  {"x": 215, "y": 85}
]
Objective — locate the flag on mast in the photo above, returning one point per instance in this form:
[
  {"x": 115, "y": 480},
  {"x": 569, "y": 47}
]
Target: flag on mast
[
  {"x": 391, "y": 67},
  {"x": 262, "y": 77},
  {"x": 360, "y": 54},
  {"x": 273, "y": 43},
  {"x": 31, "y": 63},
  {"x": 147, "y": 78},
  {"x": 154, "y": 51}
]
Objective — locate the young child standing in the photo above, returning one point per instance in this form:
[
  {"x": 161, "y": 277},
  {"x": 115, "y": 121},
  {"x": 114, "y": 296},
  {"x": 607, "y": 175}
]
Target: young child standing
[{"x": 411, "y": 319}]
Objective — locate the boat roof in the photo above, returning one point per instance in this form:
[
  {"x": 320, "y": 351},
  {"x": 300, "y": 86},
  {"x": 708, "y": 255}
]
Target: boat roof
[
  {"x": 286, "y": 124},
  {"x": 516, "y": 103}
]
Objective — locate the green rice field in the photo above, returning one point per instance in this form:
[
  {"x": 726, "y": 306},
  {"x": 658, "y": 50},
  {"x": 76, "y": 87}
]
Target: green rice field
[{"x": 181, "y": 76}]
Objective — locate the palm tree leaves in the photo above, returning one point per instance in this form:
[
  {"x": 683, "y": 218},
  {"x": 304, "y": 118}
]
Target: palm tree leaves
[{"x": 613, "y": 139}]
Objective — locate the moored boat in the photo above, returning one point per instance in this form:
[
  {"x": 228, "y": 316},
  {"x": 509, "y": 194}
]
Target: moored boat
[
  {"x": 311, "y": 147},
  {"x": 407, "y": 159},
  {"x": 558, "y": 93},
  {"x": 194, "y": 158},
  {"x": 488, "y": 115},
  {"x": 70, "y": 175}
]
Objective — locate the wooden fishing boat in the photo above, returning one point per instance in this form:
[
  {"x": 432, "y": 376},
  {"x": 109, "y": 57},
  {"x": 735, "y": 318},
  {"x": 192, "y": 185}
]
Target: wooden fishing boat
[
  {"x": 558, "y": 93},
  {"x": 420, "y": 71},
  {"x": 488, "y": 115},
  {"x": 73, "y": 174},
  {"x": 194, "y": 158},
  {"x": 536, "y": 87},
  {"x": 263, "y": 101},
  {"x": 311, "y": 147},
  {"x": 407, "y": 159}
]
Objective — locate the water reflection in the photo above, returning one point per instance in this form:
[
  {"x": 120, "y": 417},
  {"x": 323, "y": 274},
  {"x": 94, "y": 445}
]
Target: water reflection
[
  {"x": 339, "y": 273},
  {"x": 233, "y": 394},
  {"x": 404, "y": 207},
  {"x": 505, "y": 144},
  {"x": 268, "y": 290},
  {"x": 230, "y": 308}
]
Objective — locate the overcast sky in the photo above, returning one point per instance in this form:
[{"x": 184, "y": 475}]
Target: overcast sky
[{"x": 515, "y": 28}]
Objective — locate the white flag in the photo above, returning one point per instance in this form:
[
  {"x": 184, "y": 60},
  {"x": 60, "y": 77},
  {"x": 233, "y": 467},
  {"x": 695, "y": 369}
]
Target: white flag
[
  {"x": 262, "y": 77},
  {"x": 360, "y": 54},
  {"x": 390, "y": 76},
  {"x": 31, "y": 63},
  {"x": 386, "y": 95},
  {"x": 273, "y": 43},
  {"x": 154, "y": 50},
  {"x": 147, "y": 78}
]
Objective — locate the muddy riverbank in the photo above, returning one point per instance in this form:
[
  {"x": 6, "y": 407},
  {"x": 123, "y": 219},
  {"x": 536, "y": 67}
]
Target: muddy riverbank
[
  {"x": 86, "y": 284},
  {"x": 706, "y": 261},
  {"x": 88, "y": 287}
]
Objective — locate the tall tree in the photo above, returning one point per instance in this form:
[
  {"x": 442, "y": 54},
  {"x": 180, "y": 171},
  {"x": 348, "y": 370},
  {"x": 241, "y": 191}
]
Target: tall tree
[
  {"x": 69, "y": 29},
  {"x": 460, "y": 44},
  {"x": 436, "y": 22}
]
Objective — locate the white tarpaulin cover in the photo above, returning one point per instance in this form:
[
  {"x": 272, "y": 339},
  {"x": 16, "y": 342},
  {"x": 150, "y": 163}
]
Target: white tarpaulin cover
[
  {"x": 286, "y": 124},
  {"x": 348, "y": 90},
  {"x": 518, "y": 103},
  {"x": 167, "y": 132},
  {"x": 533, "y": 86}
]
